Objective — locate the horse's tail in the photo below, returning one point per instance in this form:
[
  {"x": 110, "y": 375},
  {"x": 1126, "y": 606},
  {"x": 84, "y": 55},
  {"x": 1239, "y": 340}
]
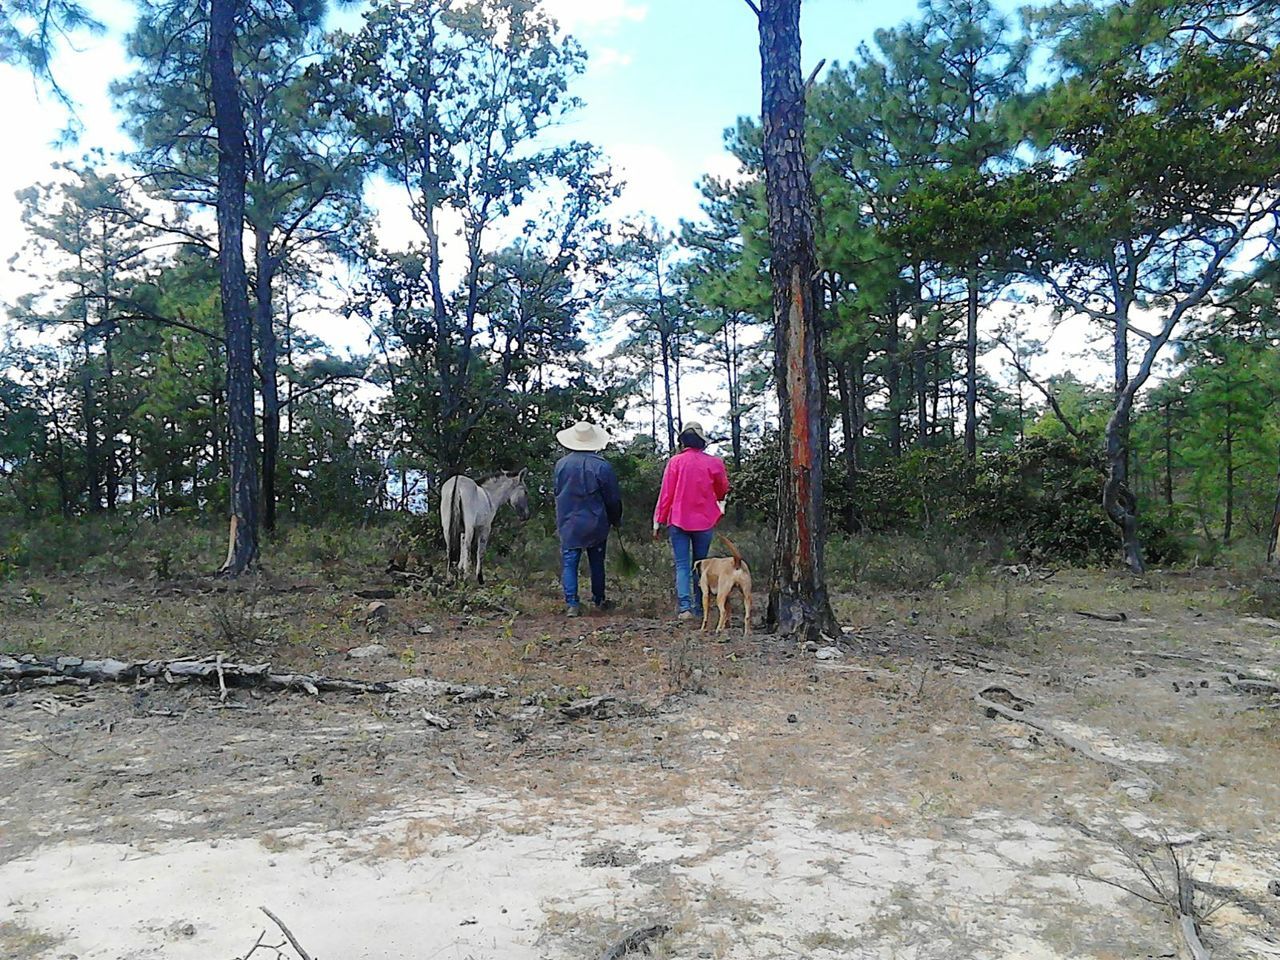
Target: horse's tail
[
  {"x": 453, "y": 528},
  {"x": 737, "y": 557}
]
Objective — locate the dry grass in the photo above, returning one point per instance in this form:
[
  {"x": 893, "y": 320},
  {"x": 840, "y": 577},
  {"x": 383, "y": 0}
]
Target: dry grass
[
  {"x": 20, "y": 943},
  {"x": 888, "y": 743}
]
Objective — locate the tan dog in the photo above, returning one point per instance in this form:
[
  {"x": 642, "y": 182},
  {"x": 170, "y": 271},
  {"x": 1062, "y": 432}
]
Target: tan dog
[{"x": 721, "y": 576}]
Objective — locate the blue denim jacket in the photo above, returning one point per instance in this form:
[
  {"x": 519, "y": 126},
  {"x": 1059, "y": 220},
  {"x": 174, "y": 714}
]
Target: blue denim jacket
[{"x": 588, "y": 500}]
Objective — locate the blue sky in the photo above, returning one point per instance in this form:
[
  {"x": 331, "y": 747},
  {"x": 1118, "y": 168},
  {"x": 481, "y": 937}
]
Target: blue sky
[
  {"x": 665, "y": 78},
  {"x": 668, "y": 76}
]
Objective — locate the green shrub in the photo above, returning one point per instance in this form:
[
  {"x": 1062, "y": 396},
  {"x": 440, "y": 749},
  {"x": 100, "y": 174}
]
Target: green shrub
[{"x": 1039, "y": 503}]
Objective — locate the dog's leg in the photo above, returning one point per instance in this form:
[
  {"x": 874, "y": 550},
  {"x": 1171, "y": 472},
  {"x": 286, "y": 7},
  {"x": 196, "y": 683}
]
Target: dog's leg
[
  {"x": 746, "y": 613},
  {"x": 722, "y": 601},
  {"x": 705, "y": 585}
]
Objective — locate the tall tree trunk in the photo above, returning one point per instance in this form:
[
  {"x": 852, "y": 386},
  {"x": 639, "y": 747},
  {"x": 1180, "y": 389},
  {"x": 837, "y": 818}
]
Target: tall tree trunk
[
  {"x": 893, "y": 379},
  {"x": 242, "y": 546},
  {"x": 858, "y": 384},
  {"x": 675, "y": 367},
  {"x": 919, "y": 370},
  {"x": 109, "y": 425},
  {"x": 798, "y": 602},
  {"x": 735, "y": 392},
  {"x": 1117, "y": 498},
  {"x": 1228, "y": 522},
  {"x": 64, "y": 491},
  {"x": 268, "y": 365},
  {"x": 133, "y": 470},
  {"x": 92, "y": 464},
  {"x": 732, "y": 373},
  {"x": 664, "y": 344},
  {"x": 971, "y": 368},
  {"x": 845, "y": 391},
  {"x": 1274, "y": 539},
  {"x": 111, "y": 455},
  {"x": 849, "y": 424}
]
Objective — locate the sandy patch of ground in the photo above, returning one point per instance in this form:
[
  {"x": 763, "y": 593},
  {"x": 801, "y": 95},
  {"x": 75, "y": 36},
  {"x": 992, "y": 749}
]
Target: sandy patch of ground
[{"x": 734, "y": 880}]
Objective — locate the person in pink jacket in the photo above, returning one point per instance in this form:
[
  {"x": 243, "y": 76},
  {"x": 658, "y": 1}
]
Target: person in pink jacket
[{"x": 691, "y": 503}]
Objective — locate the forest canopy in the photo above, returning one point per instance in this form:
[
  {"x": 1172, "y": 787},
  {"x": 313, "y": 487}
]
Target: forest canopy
[{"x": 983, "y": 179}]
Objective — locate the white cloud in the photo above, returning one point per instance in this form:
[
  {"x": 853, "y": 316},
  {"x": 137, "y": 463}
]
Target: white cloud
[
  {"x": 724, "y": 166},
  {"x": 656, "y": 185},
  {"x": 607, "y": 57},
  {"x": 596, "y": 14}
]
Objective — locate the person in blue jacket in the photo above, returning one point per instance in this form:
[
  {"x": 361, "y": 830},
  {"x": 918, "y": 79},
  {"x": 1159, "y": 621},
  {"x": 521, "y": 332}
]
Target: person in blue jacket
[{"x": 588, "y": 503}]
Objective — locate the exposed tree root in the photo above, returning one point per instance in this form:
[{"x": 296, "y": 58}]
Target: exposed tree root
[
  {"x": 1105, "y": 617},
  {"x": 1017, "y": 712},
  {"x": 1252, "y": 684},
  {"x": 19, "y": 672}
]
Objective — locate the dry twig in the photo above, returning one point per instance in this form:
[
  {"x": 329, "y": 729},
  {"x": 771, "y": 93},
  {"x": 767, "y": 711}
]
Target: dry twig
[{"x": 293, "y": 941}]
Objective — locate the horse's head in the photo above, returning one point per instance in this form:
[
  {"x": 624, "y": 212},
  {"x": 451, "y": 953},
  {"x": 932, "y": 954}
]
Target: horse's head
[{"x": 519, "y": 498}]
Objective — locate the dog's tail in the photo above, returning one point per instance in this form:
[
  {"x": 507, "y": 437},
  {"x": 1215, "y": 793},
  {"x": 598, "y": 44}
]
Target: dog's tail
[{"x": 737, "y": 557}]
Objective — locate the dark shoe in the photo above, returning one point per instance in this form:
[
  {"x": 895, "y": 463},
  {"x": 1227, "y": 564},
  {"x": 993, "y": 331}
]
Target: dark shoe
[
  {"x": 604, "y": 606},
  {"x": 573, "y": 610}
]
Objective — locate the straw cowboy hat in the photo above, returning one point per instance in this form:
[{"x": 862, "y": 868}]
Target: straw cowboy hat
[
  {"x": 584, "y": 436},
  {"x": 696, "y": 429}
]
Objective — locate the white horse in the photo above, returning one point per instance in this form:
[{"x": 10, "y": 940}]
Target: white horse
[{"x": 466, "y": 514}]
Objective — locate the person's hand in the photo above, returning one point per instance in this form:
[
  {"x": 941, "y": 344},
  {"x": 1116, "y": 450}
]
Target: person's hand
[{"x": 657, "y": 531}]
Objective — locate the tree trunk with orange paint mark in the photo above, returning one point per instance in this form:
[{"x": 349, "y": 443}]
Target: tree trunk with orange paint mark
[{"x": 798, "y": 601}]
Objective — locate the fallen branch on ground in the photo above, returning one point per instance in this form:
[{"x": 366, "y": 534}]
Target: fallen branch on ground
[
  {"x": 635, "y": 940},
  {"x": 1019, "y": 715},
  {"x": 1105, "y": 617},
  {"x": 30, "y": 670},
  {"x": 604, "y": 707},
  {"x": 1252, "y": 684},
  {"x": 986, "y": 666},
  {"x": 1161, "y": 655}
]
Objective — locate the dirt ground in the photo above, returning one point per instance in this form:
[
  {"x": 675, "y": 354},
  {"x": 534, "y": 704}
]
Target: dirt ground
[{"x": 758, "y": 800}]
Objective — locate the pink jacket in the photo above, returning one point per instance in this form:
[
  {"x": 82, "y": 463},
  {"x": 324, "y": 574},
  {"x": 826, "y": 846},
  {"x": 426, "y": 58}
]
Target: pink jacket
[{"x": 692, "y": 486}]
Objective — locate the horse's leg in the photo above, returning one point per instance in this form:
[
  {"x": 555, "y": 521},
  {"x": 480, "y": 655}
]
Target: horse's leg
[
  {"x": 464, "y": 549},
  {"x": 482, "y": 543},
  {"x": 445, "y": 515}
]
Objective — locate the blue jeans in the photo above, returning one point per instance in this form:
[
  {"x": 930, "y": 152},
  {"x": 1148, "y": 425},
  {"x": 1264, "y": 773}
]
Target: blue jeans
[
  {"x": 569, "y": 573},
  {"x": 684, "y": 543}
]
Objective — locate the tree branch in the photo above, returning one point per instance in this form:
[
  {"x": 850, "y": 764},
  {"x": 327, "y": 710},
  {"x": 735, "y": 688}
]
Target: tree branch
[
  {"x": 808, "y": 84},
  {"x": 1045, "y": 391}
]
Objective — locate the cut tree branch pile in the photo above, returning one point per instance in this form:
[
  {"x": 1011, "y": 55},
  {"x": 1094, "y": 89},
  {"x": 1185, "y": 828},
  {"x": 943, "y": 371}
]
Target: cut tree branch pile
[{"x": 28, "y": 671}]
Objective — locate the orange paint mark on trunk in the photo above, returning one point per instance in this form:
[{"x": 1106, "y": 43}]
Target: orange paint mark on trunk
[{"x": 801, "y": 440}]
